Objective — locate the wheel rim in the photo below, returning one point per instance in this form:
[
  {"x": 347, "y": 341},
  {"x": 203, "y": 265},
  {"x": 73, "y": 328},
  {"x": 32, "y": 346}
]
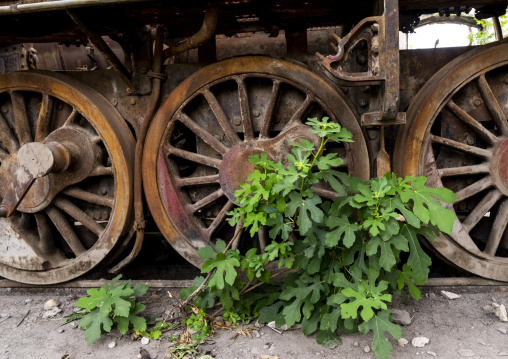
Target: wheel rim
[
  {"x": 202, "y": 136},
  {"x": 457, "y": 137},
  {"x": 69, "y": 221}
]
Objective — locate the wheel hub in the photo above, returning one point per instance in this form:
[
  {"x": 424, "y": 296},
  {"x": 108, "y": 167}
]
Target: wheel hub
[{"x": 499, "y": 166}]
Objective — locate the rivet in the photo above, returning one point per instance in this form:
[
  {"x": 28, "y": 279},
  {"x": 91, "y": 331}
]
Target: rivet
[
  {"x": 470, "y": 139},
  {"x": 114, "y": 102},
  {"x": 363, "y": 103},
  {"x": 345, "y": 90},
  {"x": 104, "y": 191},
  {"x": 4, "y": 109},
  {"x": 237, "y": 121},
  {"x": 256, "y": 113},
  {"x": 133, "y": 101},
  {"x": 362, "y": 60},
  {"x": 59, "y": 106},
  {"x": 477, "y": 102}
]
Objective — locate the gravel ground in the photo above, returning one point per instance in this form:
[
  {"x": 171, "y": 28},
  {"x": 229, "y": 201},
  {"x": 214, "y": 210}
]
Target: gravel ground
[{"x": 464, "y": 327}]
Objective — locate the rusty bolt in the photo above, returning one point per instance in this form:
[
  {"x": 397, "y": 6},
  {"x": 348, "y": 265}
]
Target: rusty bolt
[
  {"x": 345, "y": 90},
  {"x": 104, "y": 191},
  {"x": 363, "y": 103},
  {"x": 4, "y": 109},
  {"x": 477, "y": 102},
  {"x": 373, "y": 134},
  {"x": 375, "y": 28},
  {"x": 362, "y": 60},
  {"x": 3, "y": 211},
  {"x": 237, "y": 121},
  {"x": 256, "y": 113},
  {"x": 129, "y": 91},
  {"x": 470, "y": 139},
  {"x": 59, "y": 106},
  {"x": 104, "y": 215},
  {"x": 462, "y": 206},
  {"x": 114, "y": 102},
  {"x": 97, "y": 215},
  {"x": 375, "y": 70},
  {"x": 133, "y": 101}
]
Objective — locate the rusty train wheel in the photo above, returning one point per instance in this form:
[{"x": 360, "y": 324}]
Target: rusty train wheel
[
  {"x": 71, "y": 219},
  {"x": 199, "y": 142},
  {"x": 457, "y": 136}
]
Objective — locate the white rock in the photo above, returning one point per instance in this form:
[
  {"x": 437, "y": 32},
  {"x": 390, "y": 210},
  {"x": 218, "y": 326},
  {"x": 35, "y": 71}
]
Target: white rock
[
  {"x": 502, "y": 354},
  {"x": 449, "y": 295},
  {"x": 355, "y": 344},
  {"x": 366, "y": 349},
  {"x": 466, "y": 352},
  {"x": 402, "y": 342},
  {"x": 502, "y": 330},
  {"x": 495, "y": 305},
  {"x": 501, "y": 313},
  {"x": 139, "y": 356},
  {"x": 145, "y": 340},
  {"x": 431, "y": 353},
  {"x": 61, "y": 330},
  {"x": 27, "y": 301},
  {"x": 419, "y": 342},
  {"x": 51, "y": 313},
  {"x": 153, "y": 356},
  {"x": 50, "y": 304},
  {"x": 256, "y": 334},
  {"x": 112, "y": 345}
]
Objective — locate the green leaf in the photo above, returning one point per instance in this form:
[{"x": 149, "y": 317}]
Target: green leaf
[
  {"x": 140, "y": 290},
  {"x": 408, "y": 276},
  {"x": 426, "y": 208},
  {"x": 380, "y": 324},
  {"x": 345, "y": 231},
  {"x": 366, "y": 298},
  {"x": 387, "y": 257},
  {"x": 305, "y": 294},
  {"x": 418, "y": 260},
  {"x": 328, "y": 339},
  {"x": 225, "y": 270},
  {"x": 207, "y": 252},
  {"x": 268, "y": 313},
  {"x": 329, "y": 320},
  {"x": 94, "y": 325},
  {"x": 310, "y": 325}
]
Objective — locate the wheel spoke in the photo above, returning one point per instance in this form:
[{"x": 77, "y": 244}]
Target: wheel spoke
[
  {"x": 101, "y": 171},
  {"x": 21, "y": 118},
  {"x": 73, "y": 118},
  {"x": 490, "y": 100},
  {"x": 89, "y": 197},
  {"x": 471, "y": 122},
  {"x": 459, "y": 146},
  {"x": 464, "y": 170},
  {"x": 80, "y": 216},
  {"x": 219, "y": 219},
  {"x": 44, "y": 120},
  {"x": 66, "y": 230},
  {"x": 197, "y": 181},
  {"x": 46, "y": 242},
  {"x": 473, "y": 189},
  {"x": 191, "y": 156},
  {"x": 487, "y": 202},
  {"x": 245, "y": 110},
  {"x": 7, "y": 137},
  {"x": 202, "y": 203},
  {"x": 296, "y": 118},
  {"x": 221, "y": 117},
  {"x": 263, "y": 238},
  {"x": 239, "y": 230},
  {"x": 206, "y": 136},
  {"x": 498, "y": 227},
  {"x": 270, "y": 109}
]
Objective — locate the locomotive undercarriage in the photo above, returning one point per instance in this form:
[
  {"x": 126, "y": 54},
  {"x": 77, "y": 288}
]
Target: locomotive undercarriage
[{"x": 76, "y": 139}]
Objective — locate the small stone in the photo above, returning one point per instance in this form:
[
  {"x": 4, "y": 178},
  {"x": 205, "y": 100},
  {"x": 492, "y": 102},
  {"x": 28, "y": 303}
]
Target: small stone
[
  {"x": 502, "y": 330},
  {"x": 449, "y": 295},
  {"x": 139, "y": 356},
  {"x": 402, "y": 342},
  {"x": 27, "y": 301},
  {"x": 256, "y": 334},
  {"x": 112, "y": 345},
  {"x": 61, "y": 330},
  {"x": 258, "y": 324},
  {"x": 466, "y": 352},
  {"x": 51, "y": 313},
  {"x": 50, "y": 304},
  {"x": 431, "y": 353},
  {"x": 145, "y": 340},
  {"x": 318, "y": 353},
  {"x": 153, "y": 356},
  {"x": 401, "y": 317},
  {"x": 419, "y": 342},
  {"x": 432, "y": 295},
  {"x": 355, "y": 344},
  {"x": 267, "y": 345},
  {"x": 502, "y": 354},
  {"x": 366, "y": 349},
  {"x": 501, "y": 313},
  {"x": 495, "y": 305}
]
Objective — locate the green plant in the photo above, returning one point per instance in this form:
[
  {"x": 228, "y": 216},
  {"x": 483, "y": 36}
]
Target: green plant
[
  {"x": 346, "y": 254},
  {"x": 113, "y": 305},
  {"x": 486, "y": 34}
]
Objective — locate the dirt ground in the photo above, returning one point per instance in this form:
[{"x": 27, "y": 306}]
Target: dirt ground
[{"x": 459, "y": 328}]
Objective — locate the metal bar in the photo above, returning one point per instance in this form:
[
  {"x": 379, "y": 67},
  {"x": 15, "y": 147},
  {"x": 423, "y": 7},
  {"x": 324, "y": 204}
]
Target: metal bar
[
  {"x": 104, "y": 49},
  {"x": 59, "y": 5},
  {"x": 5, "y": 283}
]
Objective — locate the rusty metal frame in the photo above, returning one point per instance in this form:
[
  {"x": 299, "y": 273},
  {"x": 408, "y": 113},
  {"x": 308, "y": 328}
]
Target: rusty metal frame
[{"x": 382, "y": 36}]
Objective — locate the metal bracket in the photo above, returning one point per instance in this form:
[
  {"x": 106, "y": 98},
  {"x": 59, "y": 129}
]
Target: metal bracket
[{"x": 381, "y": 34}]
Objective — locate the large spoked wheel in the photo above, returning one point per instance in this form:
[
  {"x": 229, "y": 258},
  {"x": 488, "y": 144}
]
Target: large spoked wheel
[
  {"x": 457, "y": 136},
  {"x": 197, "y": 148},
  {"x": 71, "y": 218}
]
